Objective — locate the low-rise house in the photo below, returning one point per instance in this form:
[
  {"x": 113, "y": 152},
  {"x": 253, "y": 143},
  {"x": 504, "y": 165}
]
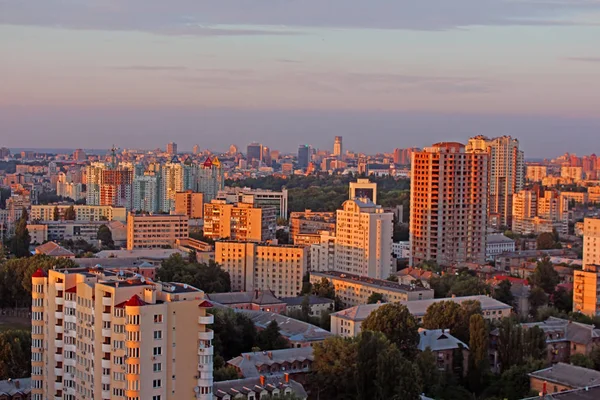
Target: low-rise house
[
  {"x": 410, "y": 275},
  {"x": 444, "y": 346},
  {"x": 259, "y": 300},
  {"x": 563, "y": 377},
  {"x": 586, "y": 393},
  {"x": 318, "y": 305},
  {"x": 296, "y": 362},
  {"x": 258, "y": 388},
  {"x": 15, "y": 389},
  {"x": 53, "y": 249},
  {"x": 496, "y": 244}
]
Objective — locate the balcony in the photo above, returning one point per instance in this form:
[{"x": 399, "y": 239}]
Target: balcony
[
  {"x": 106, "y": 348},
  {"x": 106, "y": 317},
  {"x": 59, "y": 286},
  {"x": 59, "y": 314},
  {"x": 107, "y": 301},
  {"x": 58, "y": 329},
  {"x": 206, "y": 351},
  {"x": 58, "y": 343},
  {"x": 58, "y": 357},
  {"x": 106, "y": 332},
  {"x": 58, "y": 372},
  {"x": 208, "y": 335},
  {"x": 59, "y": 301},
  {"x": 209, "y": 319},
  {"x": 105, "y": 363}
]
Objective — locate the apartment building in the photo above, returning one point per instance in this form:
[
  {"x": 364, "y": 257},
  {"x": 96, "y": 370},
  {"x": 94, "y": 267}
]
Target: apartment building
[
  {"x": 241, "y": 221},
  {"x": 536, "y": 173},
  {"x": 538, "y": 211},
  {"x": 448, "y": 216},
  {"x": 322, "y": 254},
  {"x": 310, "y": 222},
  {"x": 587, "y": 281},
  {"x": 574, "y": 174},
  {"x": 64, "y": 230},
  {"x": 189, "y": 203},
  {"x": 354, "y": 290},
  {"x": 261, "y": 266},
  {"x": 363, "y": 239},
  {"x": 82, "y": 212},
  {"x": 146, "y": 193},
  {"x": 99, "y": 334},
  {"x": 363, "y": 188},
  {"x": 258, "y": 197},
  {"x": 149, "y": 231}
]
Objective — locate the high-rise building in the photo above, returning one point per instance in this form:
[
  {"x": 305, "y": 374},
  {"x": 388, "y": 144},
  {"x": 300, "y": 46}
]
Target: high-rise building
[
  {"x": 258, "y": 197},
  {"x": 259, "y": 266},
  {"x": 172, "y": 149},
  {"x": 241, "y": 221},
  {"x": 93, "y": 173},
  {"x": 105, "y": 335},
  {"x": 116, "y": 187},
  {"x": 154, "y": 231},
  {"x": 254, "y": 153},
  {"x": 337, "y": 146},
  {"x": 175, "y": 177},
  {"x": 536, "y": 173},
  {"x": 363, "y": 239},
  {"x": 210, "y": 178},
  {"x": 196, "y": 149},
  {"x": 79, "y": 155},
  {"x": 146, "y": 193},
  {"x": 303, "y": 156},
  {"x": 266, "y": 156},
  {"x": 4, "y": 152},
  {"x": 189, "y": 203},
  {"x": 506, "y": 175},
  {"x": 586, "y": 285},
  {"x": 572, "y": 173},
  {"x": 363, "y": 188},
  {"x": 448, "y": 216},
  {"x": 537, "y": 211},
  {"x": 233, "y": 150}
]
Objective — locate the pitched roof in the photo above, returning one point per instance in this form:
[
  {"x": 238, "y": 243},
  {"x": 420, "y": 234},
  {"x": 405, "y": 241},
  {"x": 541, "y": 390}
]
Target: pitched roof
[
  {"x": 135, "y": 301},
  {"x": 568, "y": 375},
  {"x": 248, "y": 363},
  {"x": 247, "y": 385},
  {"x": 438, "y": 340},
  {"x": 205, "y": 304},
  {"x": 54, "y": 250},
  {"x": 587, "y": 393},
  {"x": 40, "y": 273},
  {"x": 10, "y": 386}
]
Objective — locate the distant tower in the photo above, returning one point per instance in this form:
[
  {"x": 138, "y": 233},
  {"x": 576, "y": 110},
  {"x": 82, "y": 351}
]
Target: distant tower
[
  {"x": 254, "y": 152},
  {"x": 172, "y": 148},
  {"x": 79, "y": 155},
  {"x": 196, "y": 149},
  {"x": 303, "y": 156},
  {"x": 233, "y": 150},
  {"x": 337, "y": 146}
]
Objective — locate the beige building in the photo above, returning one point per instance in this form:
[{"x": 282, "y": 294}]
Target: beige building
[
  {"x": 537, "y": 212},
  {"x": 259, "y": 266},
  {"x": 190, "y": 204},
  {"x": 354, "y": 290},
  {"x": 97, "y": 334},
  {"x": 448, "y": 216},
  {"x": 574, "y": 174},
  {"x": 322, "y": 254},
  {"x": 149, "y": 231},
  {"x": 82, "y": 213},
  {"x": 363, "y": 188},
  {"x": 536, "y": 173},
  {"x": 506, "y": 167},
  {"x": 241, "y": 221},
  {"x": 310, "y": 223},
  {"x": 587, "y": 282},
  {"x": 363, "y": 239}
]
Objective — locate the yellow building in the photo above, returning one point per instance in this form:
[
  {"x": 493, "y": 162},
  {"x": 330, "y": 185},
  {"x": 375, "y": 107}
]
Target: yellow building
[
  {"x": 536, "y": 173},
  {"x": 354, "y": 290},
  {"x": 241, "y": 221},
  {"x": 82, "y": 212},
  {"x": 97, "y": 334},
  {"x": 190, "y": 204},
  {"x": 254, "y": 266},
  {"x": 149, "y": 231},
  {"x": 586, "y": 282}
]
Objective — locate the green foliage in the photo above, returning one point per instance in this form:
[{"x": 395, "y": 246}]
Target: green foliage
[
  {"x": 234, "y": 334},
  {"x": 15, "y": 354},
  {"x": 334, "y": 368},
  {"x": 430, "y": 265},
  {"x": 207, "y": 277},
  {"x": 545, "y": 277},
  {"x": 200, "y": 236},
  {"x": 227, "y": 373},
  {"x": 324, "y": 289},
  {"x": 397, "y": 324},
  {"x": 15, "y": 278},
  {"x": 270, "y": 338},
  {"x": 537, "y": 298},
  {"x": 462, "y": 284},
  {"x": 55, "y": 214},
  {"x": 516, "y": 345},
  {"x": 105, "y": 236},
  {"x": 4, "y": 195},
  {"x": 19, "y": 244},
  {"x": 595, "y": 357},
  {"x": 563, "y": 300},
  {"x": 502, "y": 293},
  {"x": 374, "y": 298},
  {"x": 426, "y": 363},
  {"x": 70, "y": 214},
  {"x": 478, "y": 355},
  {"x": 453, "y": 316},
  {"x": 582, "y": 360},
  {"x": 282, "y": 236},
  {"x": 514, "y": 382},
  {"x": 547, "y": 241}
]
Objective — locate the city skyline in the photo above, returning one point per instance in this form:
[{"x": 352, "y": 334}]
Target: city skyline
[{"x": 394, "y": 74}]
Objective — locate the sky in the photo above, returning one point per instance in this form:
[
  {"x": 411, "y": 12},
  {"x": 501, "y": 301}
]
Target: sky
[{"x": 380, "y": 73}]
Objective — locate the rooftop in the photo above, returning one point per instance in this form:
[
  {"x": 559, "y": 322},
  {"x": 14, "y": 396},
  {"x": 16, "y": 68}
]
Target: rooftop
[
  {"x": 296, "y": 301},
  {"x": 247, "y": 385},
  {"x": 262, "y": 297},
  {"x": 375, "y": 283},
  {"x": 438, "y": 340},
  {"x": 248, "y": 363},
  {"x": 587, "y": 393},
  {"x": 568, "y": 375},
  {"x": 53, "y": 249},
  {"x": 113, "y": 262},
  {"x": 155, "y": 254},
  {"x": 10, "y": 386},
  {"x": 497, "y": 238}
]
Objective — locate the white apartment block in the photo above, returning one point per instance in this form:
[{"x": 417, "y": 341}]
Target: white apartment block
[
  {"x": 363, "y": 239},
  {"x": 538, "y": 213},
  {"x": 401, "y": 249},
  {"x": 256, "y": 266},
  {"x": 146, "y": 193},
  {"x": 322, "y": 255},
  {"x": 97, "y": 334},
  {"x": 82, "y": 212},
  {"x": 259, "y": 198}
]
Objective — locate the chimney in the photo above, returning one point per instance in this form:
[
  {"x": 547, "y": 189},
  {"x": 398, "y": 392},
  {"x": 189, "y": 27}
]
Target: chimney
[
  {"x": 17, "y": 384},
  {"x": 270, "y": 354},
  {"x": 287, "y": 377},
  {"x": 262, "y": 380}
]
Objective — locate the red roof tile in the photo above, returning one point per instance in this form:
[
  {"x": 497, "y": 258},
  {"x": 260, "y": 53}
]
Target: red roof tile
[
  {"x": 71, "y": 290},
  {"x": 40, "y": 273},
  {"x": 205, "y": 304},
  {"x": 135, "y": 301}
]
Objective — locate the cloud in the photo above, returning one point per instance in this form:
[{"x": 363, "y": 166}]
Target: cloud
[
  {"x": 584, "y": 59},
  {"x": 285, "y": 17}
]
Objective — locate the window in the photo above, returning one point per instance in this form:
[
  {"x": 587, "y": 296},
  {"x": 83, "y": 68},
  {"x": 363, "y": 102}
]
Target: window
[
  {"x": 158, "y": 318},
  {"x": 157, "y": 367},
  {"x": 157, "y": 351},
  {"x": 157, "y": 397},
  {"x": 156, "y": 383},
  {"x": 157, "y": 335}
]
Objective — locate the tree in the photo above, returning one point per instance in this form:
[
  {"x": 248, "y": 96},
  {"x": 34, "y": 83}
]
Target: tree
[
  {"x": 563, "y": 300},
  {"x": 234, "y": 334},
  {"x": 582, "y": 360},
  {"x": 207, "y": 277},
  {"x": 55, "y": 214},
  {"x": 478, "y": 355},
  {"x": 70, "y": 214},
  {"x": 396, "y": 377},
  {"x": 545, "y": 277},
  {"x": 514, "y": 382},
  {"x": 370, "y": 346},
  {"x": 21, "y": 240},
  {"x": 305, "y": 307},
  {"x": 375, "y": 298},
  {"x": 545, "y": 241},
  {"x": 537, "y": 299},
  {"x": 426, "y": 362},
  {"x": 503, "y": 292},
  {"x": 334, "y": 368},
  {"x": 271, "y": 339},
  {"x": 105, "y": 237},
  {"x": 430, "y": 265},
  {"x": 397, "y": 324},
  {"x": 227, "y": 373},
  {"x": 15, "y": 354},
  {"x": 452, "y": 316},
  {"x": 461, "y": 284},
  {"x": 517, "y": 345},
  {"x": 595, "y": 357},
  {"x": 324, "y": 289}
]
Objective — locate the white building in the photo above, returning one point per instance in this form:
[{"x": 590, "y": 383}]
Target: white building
[
  {"x": 257, "y": 197},
  {"x": 322, "y": 255},
  {"x": 363, "y": 239},
  {"x": 146, "y": 193},
  {"x": 497, "y": 243},
  {"x": 82, "y": 212},
  {"x": 401, "y": 249}
]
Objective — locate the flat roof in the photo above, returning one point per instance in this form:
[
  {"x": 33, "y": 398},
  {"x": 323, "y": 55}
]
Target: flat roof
[{"x": 372, "y": 282}]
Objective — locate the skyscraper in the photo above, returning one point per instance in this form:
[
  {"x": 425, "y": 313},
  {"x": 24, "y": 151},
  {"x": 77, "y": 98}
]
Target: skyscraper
[
  {"x": 266, "y": 156},
  {"x": 210, "y": 179},
  {"x": 448, "y": 216},
  {"x": 337, "y": 146},
  {"x": 506, "y": 175},
  {"x": 172, "y": 148},
  {"x": 146, "y": 193},
  {"x": 303, "y": 155},
  {"x": 175, "y": 177},
  {"x": 93, "y": 173},
  {"x": 254, "y": 152}
]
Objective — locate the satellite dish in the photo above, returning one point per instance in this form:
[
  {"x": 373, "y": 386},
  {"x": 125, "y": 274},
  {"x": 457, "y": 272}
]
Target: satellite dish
[{"x": 197, "y": 389}]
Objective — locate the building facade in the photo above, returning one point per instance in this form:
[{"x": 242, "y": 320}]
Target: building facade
[
  {"x": 241, "y": 221},
  {"x": 150, "y": 231},
  {"x": 190, "y": 204},
  {"x": 448, "y": 216},
  {"x": 309, "y": 222},
  {"x": 587, "y": 281},
  {"x": 82, "y": 213},
  {"x": 97, "y": 334}
]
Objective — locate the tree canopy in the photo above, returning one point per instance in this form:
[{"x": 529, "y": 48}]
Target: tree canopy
[
  {"x": 105, "y": 236},
  {"x": 19, "y": 244},
  {"x": 397, "y": 324},
  {"x": 453, "y": 316},
  {"x": 545, "y": 276},
  {"x": 209, "y": 278},
  {"x": 15, "y": 354}
]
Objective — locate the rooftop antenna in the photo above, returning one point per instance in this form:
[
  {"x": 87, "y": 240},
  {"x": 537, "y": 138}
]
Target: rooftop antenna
[{"x": 113, "y": 156}]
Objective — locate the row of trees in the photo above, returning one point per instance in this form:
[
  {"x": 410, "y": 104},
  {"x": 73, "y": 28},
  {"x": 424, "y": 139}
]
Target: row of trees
[
  {"x": 15, "y": 354},
  {"x": 208, "y": 277}
]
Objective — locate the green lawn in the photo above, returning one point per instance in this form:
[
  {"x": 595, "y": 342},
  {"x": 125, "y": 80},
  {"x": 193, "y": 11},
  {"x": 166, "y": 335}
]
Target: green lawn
[{"x": 8, "y": 323}]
